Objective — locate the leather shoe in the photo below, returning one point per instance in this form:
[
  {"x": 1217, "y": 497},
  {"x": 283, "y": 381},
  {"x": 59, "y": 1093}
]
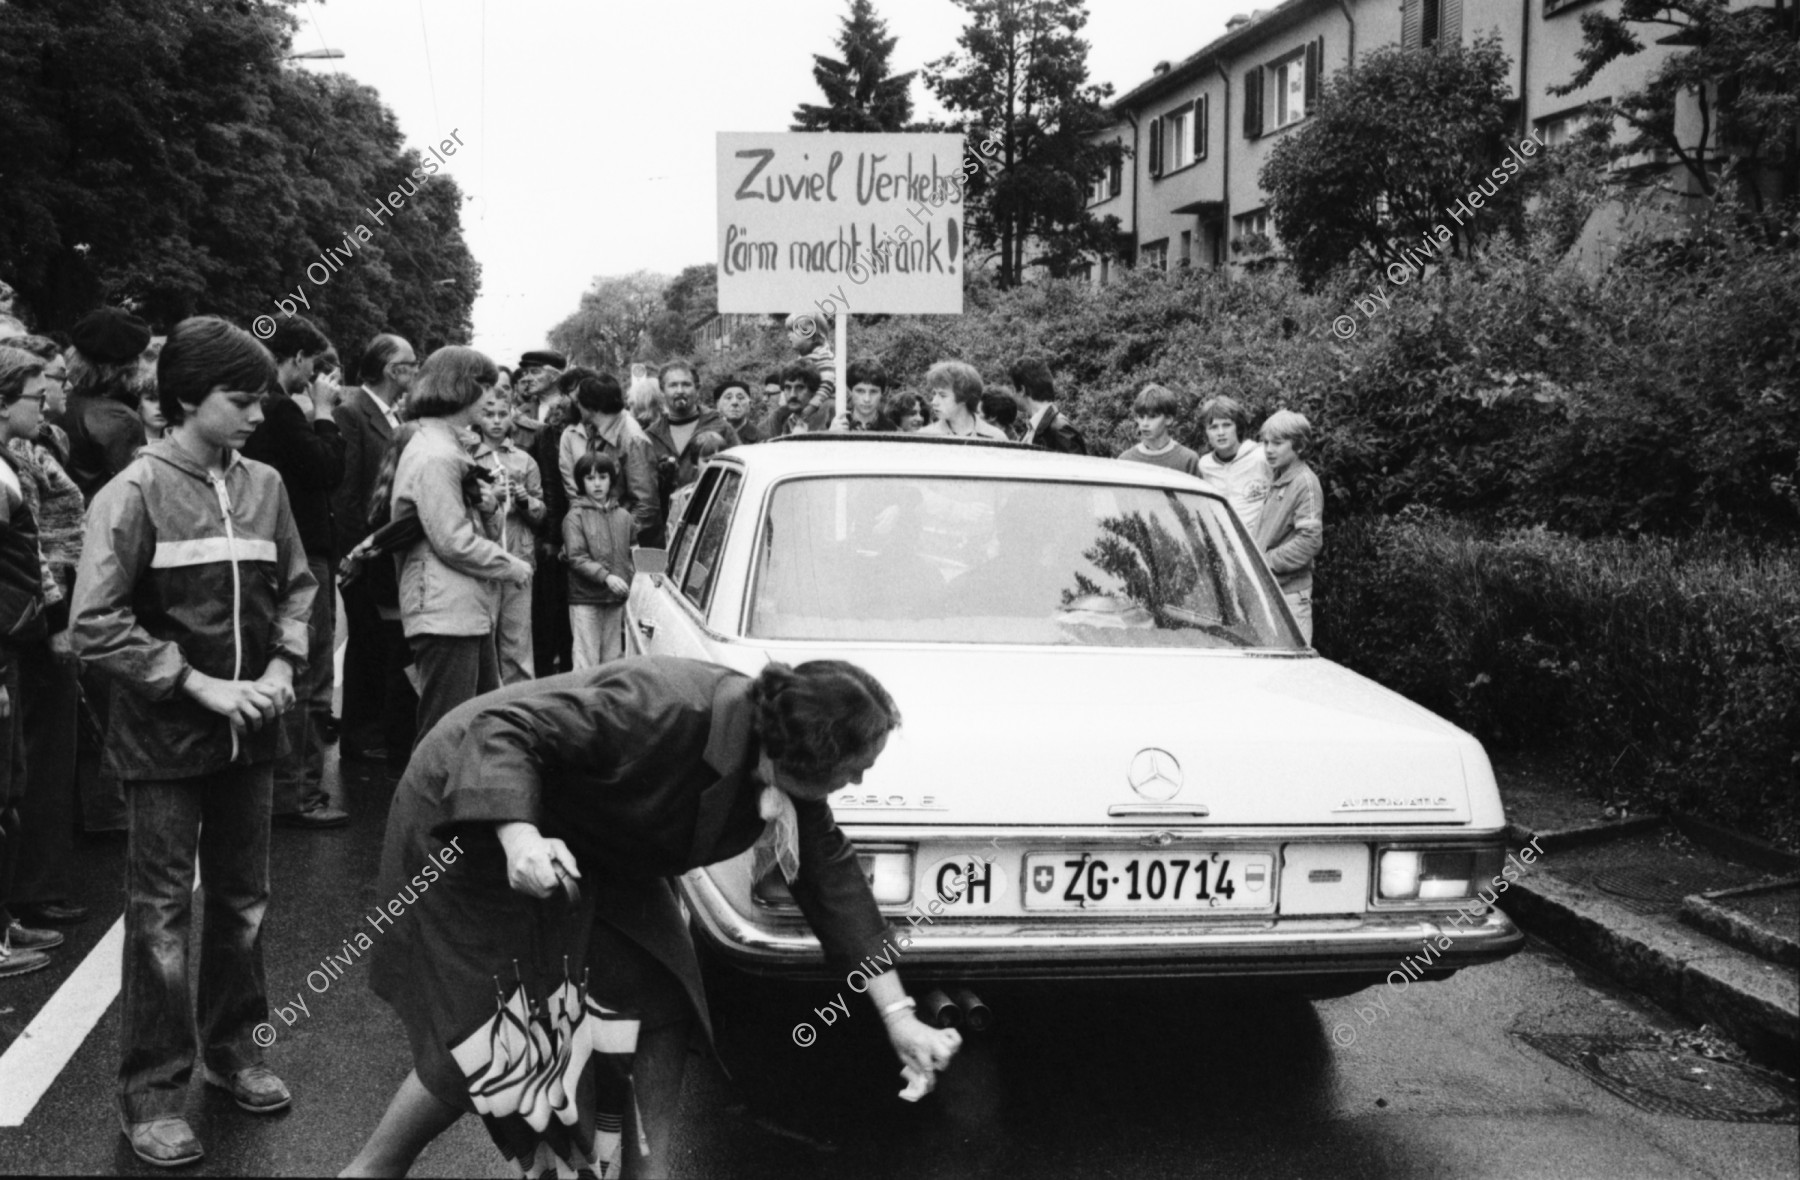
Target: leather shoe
[
  {"x": 26, "y": 938},
  {"x": 51, "y": 913},
  {"x": 167, "y": 1142},
  {"x": 254, "y": 1088},
  {"x": 14, "y": 961},
  {"x": 322, "y": 816}
]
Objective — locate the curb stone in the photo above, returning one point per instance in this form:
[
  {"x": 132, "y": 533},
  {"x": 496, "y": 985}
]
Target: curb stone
[
  {"x": 1703, "y": 912},
  {"x": 1755, "y": 1002}
]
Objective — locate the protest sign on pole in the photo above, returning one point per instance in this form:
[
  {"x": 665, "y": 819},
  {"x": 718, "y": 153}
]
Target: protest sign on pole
[
  {"x": 835, "y": 224},
  {"x": 871, "y": 222}
]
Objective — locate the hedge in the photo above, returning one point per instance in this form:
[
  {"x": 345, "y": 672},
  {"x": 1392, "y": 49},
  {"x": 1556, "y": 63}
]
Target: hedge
[
  {"x": 1667, "y": 673},
  {"x": 1662, "y": 398}
]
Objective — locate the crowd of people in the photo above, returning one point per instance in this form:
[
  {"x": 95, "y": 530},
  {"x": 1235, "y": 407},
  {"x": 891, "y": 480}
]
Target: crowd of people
[{"x": 167, "y": 608}]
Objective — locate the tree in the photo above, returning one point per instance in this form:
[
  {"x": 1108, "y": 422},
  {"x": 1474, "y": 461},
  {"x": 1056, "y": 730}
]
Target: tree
[
  {"x": 159, "y": 153},
  {"x": 1742, "y": 71},
  {"x": 859, "y": 93},
  {"x": 690, "y": 301},
  {"x": 1397, "y": 141},
  {"x": 614, "y": 323},
  {"x": 1020, "y": 83}
]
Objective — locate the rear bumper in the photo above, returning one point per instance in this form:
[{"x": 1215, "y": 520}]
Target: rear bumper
[{"x": 1373, "y": 944}]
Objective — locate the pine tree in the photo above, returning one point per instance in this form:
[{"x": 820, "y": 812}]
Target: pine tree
[
  {"x": 1019, "y": 81},
  {"x": 859, "y": 94}
]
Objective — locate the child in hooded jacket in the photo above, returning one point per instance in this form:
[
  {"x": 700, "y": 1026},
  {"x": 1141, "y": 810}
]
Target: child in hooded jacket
[{"x": 597, "y": 535}]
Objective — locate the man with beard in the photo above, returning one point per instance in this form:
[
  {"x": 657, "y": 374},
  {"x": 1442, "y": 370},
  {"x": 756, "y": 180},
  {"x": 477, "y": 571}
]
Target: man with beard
[
  {"x": 678, "y": 427},
  {"x": 299, "y": 439}
]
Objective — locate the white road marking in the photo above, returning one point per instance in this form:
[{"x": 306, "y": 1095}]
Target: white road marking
[{"x": 33, "y": 1061}]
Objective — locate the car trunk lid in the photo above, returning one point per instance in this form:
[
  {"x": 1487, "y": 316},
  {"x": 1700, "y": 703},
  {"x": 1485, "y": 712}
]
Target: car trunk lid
[{"x": 999, "y": 737}]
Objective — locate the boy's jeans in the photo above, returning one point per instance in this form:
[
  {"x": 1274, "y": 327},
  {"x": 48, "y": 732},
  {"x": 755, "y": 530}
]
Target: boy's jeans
[
  {"x": 512, "y": 633},
  {"x": 225, "y": 817},
  {"x": 1300, "y": 602},
  {"x": 300, "y": 773}
]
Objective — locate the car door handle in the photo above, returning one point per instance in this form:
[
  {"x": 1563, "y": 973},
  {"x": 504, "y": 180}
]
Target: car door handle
[{"x": 648, "y": 628}]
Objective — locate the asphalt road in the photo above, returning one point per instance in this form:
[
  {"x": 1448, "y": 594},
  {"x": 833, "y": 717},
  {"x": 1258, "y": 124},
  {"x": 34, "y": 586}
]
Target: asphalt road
[{"x": 1141, "y": 1081}]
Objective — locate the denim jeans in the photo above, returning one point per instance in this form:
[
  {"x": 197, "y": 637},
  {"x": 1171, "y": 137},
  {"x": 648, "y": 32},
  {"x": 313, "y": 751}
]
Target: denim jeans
[
  {"x": 1300, "y": 603},
  {"x": 512, "y": 634},
  {"x": 224, "y": 817},
  {"x": 300, "y": 773},
  {"x": 599, "y": 633}
]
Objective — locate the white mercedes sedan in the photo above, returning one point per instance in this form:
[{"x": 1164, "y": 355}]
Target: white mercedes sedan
[{"x": 1118, "y": 758}]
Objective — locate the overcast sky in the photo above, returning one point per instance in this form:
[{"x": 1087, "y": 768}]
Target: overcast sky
[{"x": 589, "y": 124}]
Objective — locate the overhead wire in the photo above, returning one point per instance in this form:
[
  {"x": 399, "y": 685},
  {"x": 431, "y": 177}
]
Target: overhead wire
[
  {"x": 482, "y": 122},
  {"x": 430, "y": 73}
]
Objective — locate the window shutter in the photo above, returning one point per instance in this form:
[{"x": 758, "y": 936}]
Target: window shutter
[
  {"x": 1253, "y": 88},
  {"x": 1412, "y": 17},
  {"x": 1156, "y": 147},
  {"x": 1314, "y": 50},
  {"x": 1450, "y": 23},
  {"x": 1202, "y": 111},
  {"x": 1115, "y": 176}
]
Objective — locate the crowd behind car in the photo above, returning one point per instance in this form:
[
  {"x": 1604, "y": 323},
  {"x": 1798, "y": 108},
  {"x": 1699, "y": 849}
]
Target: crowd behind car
[{"x": 167, "y": 609}]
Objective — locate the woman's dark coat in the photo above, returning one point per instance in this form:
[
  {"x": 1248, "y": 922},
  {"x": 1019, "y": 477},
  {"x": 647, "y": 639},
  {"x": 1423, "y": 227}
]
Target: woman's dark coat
[{"x": 646, "y": 768}]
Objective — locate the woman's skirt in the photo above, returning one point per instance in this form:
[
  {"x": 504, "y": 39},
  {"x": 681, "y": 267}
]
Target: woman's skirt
[{"x": 526, "y": 1011}]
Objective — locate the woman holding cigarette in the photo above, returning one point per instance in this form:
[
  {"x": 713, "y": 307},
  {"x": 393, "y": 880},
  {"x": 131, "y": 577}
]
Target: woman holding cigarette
[{"x": 576, "y": 798}]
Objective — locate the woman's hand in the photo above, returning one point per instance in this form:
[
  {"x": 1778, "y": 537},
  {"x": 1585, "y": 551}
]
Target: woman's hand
[
  {"x": 532, "y": 859},
  {"x": 926, "y": 1049}
]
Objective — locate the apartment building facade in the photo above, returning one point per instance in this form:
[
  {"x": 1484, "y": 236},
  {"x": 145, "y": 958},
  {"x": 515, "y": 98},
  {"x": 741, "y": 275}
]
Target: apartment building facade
[{"x": 1199, "y": 131}]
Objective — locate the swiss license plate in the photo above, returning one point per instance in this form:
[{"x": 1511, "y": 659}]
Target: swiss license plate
[{"x": 1125, "y": 880}]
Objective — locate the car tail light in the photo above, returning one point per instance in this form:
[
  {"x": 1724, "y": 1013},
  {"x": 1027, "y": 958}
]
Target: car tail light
[
  {"x": 1415, "y": 874},
  {"x": 889, "y": 872}
]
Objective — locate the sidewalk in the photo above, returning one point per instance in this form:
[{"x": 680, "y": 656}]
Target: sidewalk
[{"x": 1702, "y": 920}]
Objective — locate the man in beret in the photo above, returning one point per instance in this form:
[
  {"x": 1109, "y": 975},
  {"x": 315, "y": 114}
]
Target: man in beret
[
  {"x": 101, "y": 418},
  {"x": 538, "y": 371}
]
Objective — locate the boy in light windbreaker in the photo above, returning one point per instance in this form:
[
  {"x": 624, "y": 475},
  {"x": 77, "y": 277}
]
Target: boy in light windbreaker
[
  {"x": 192, "y": 598},
  {"x": 597, "y": 537},
  {"x": 1291, "y": 529}
]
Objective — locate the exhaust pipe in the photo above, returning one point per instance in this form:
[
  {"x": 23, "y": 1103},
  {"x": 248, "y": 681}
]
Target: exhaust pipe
[
  {"x": 939, "y": 1010},
  {"x": 977, "y": 1015}
]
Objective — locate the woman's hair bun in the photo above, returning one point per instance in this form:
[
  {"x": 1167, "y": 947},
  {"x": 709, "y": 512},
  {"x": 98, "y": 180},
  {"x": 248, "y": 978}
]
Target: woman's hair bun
[{"x": 815, "y": 717}]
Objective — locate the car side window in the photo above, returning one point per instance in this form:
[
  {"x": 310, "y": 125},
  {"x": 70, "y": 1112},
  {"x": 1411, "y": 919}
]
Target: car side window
[
  {"x": 697, "y": 579},
  {"x": 681, "y": 546}
]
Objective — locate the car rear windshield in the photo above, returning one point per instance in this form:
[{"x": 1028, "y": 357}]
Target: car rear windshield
[{"x": 1009, "y": 561}]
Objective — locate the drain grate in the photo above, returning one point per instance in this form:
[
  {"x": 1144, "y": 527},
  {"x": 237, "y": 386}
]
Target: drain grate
[
  {"x": 1663, "y": 886},
  {"x": 1656, "y": 1078}
]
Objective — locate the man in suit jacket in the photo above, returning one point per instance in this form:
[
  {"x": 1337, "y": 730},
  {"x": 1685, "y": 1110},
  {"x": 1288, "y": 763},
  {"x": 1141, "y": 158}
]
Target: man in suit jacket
[
  {"x": 300, "y": 440},
  {"x": 1045, "y": 425},
  {"x": 377, "y": 710}
]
